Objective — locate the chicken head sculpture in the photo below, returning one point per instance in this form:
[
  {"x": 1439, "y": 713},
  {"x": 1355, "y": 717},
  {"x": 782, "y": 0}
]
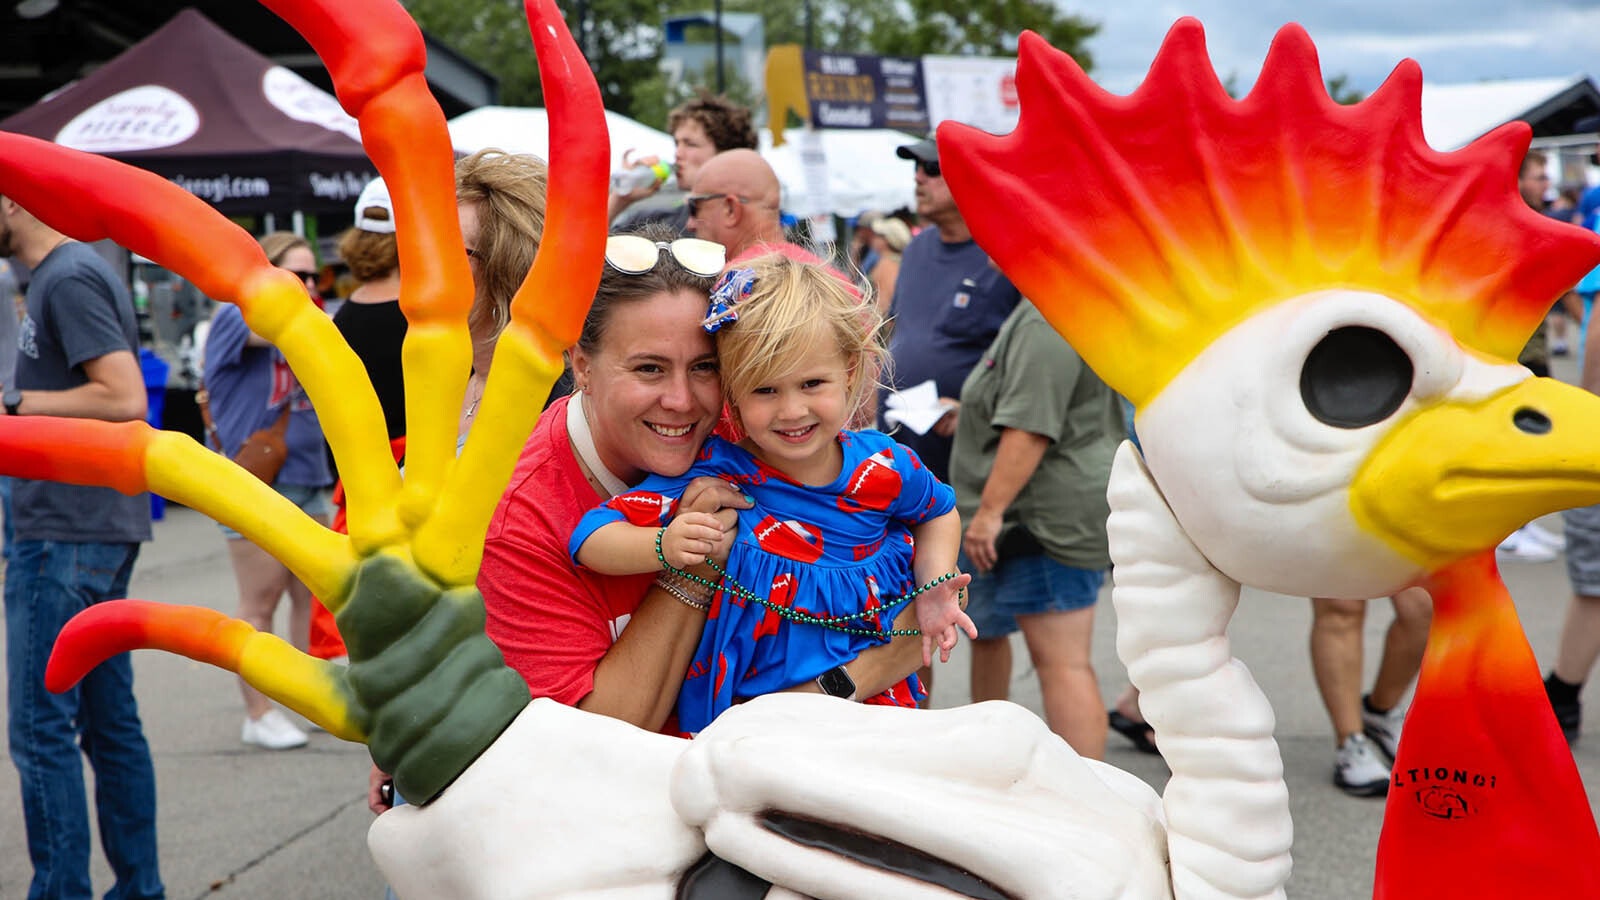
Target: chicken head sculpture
[{"x": 1316, "y": 317}]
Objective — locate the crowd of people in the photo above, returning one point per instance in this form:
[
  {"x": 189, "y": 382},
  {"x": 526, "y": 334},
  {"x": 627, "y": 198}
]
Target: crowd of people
[{"x": 711, "y": 506}]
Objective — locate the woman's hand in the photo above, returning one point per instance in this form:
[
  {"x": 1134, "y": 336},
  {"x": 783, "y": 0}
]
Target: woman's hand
[
  {"x": 979, "y": 540},
  {"x": 939, "y": 613},
  {"x": 693, "y": 536}
]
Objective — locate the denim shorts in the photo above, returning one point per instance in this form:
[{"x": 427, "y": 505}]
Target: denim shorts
[
  {"x": 1025, "y": 586},
  {"x": 1583, "y": 549},
  {"x": 313, "y": 501}
]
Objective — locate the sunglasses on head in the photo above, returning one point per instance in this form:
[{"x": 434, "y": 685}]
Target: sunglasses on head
[
  {"x": 928, "y": 167},
  {"x": 693, "y": 201},
  {"x": 633, "y": 254}
]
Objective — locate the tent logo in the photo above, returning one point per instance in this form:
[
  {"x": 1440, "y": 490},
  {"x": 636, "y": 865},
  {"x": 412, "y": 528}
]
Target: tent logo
[
  {"x": 303, "y": 101},
  {"x": 147, "y": 117}
]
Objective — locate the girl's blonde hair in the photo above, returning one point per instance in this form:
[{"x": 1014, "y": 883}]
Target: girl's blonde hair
[{"x": 792, "y": 308}]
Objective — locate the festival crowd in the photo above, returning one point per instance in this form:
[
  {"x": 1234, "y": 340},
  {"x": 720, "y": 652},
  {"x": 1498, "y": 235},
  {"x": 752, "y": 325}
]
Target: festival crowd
[{"x": 763, "y": 471}]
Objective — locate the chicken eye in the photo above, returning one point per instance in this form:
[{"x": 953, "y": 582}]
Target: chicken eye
[{"x": 1355, "y": 377}]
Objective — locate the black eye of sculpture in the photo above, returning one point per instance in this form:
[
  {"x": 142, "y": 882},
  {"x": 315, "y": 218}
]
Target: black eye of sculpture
[{"x": 1355, "y": 377}]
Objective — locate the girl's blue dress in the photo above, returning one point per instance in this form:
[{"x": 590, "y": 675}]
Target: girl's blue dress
[{"x": 827, "y": 550}]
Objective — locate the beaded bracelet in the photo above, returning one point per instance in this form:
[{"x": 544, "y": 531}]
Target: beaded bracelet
[{"x": 677, "y": 590}]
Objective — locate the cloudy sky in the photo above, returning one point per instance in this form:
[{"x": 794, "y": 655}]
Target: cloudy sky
[{"x": 1454, "y": 40}]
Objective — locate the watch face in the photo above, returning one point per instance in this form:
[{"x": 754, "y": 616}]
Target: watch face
[{"x": 836, "y": 682}]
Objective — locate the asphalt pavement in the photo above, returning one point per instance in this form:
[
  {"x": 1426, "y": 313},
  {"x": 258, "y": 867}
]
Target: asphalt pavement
[{"x": 237, "y": 822}]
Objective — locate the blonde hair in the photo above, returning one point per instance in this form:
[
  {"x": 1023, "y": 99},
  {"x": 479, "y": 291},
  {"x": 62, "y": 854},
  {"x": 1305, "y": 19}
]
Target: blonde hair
[
  {"x": 792, "y": 307},
  {"x": 508, "y": 191},
  {"x": 278, "y": 244}
]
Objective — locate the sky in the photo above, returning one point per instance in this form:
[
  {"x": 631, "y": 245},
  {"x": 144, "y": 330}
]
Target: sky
[{"x": 1454, "y": 40}]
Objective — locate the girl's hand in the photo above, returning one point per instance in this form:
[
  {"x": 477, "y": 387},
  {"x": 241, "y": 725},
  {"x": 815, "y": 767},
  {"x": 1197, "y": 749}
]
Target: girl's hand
[
  {"x": 715, "y": 496},
  {"x": 691, "y": 538},
  {"x": 939, "y": 614}
]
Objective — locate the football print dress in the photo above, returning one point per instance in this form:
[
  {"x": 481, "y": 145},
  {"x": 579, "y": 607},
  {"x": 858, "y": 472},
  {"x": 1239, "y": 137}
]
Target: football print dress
[{"x": 823, "y": 550}]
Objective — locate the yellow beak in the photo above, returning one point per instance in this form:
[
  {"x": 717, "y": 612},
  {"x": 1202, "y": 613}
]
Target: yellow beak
[{"x": 1456, "y": 478}]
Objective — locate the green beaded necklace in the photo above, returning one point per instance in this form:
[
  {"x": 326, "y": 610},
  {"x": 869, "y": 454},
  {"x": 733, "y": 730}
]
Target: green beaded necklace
[{"x": 836, "y": 623}]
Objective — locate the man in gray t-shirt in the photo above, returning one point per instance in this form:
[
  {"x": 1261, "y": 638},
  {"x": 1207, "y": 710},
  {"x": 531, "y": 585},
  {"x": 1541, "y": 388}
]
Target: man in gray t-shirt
[
  {"x": 8, "y": 323},
  {"x": 75, "y": 546}
]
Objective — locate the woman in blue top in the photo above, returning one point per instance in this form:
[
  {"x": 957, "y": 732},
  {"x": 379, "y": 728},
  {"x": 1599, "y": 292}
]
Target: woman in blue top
[
  {"x": 250, "y": 386},
  {"x": 846, "y": 524}
]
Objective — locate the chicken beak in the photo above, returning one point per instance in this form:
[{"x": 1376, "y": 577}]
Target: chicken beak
[{"x": 1457, "y": 477}]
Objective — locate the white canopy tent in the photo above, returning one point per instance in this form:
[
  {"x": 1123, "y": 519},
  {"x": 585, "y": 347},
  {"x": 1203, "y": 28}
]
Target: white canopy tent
[
  {"x": 863, "y": 171},
  {"x": 527, "y": 130}
]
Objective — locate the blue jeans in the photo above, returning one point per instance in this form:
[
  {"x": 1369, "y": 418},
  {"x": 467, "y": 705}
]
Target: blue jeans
[{"x": 47, "y": 582}]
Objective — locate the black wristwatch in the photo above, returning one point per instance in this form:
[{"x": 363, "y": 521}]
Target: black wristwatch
[
  {"x": 12, "y": 399},
  {"x": 836, "y": 682}
]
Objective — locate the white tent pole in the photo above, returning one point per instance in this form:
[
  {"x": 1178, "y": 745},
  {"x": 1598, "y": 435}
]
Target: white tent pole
[
  {"x": 269, "y": 224},
  {"x": 298, "y": 223}
]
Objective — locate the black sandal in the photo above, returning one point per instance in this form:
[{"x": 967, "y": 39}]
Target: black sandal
[{"x": 1140, "y": 734}]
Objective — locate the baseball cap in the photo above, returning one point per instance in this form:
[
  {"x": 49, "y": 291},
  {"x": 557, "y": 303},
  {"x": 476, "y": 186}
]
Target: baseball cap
[
  {"x": 925, "y": 150},
  {"x": 374, "y": 209}
]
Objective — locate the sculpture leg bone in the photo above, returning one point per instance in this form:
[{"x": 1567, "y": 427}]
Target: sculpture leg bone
[{"x": 1227, "y": 805}]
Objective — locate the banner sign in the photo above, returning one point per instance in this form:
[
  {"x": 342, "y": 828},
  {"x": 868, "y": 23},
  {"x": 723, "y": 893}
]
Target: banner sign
[
  {"x": 846, "y": 90},
  {"x": 977, "y": 90}
]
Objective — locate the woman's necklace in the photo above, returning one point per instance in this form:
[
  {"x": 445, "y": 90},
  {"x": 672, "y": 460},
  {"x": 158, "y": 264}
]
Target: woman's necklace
[{"x": 583, "y": 445}]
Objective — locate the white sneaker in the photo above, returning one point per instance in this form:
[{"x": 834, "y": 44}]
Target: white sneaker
[
  {"x": 1383, "y": 729},
  {"x": 1556, "y": 542},
  {"x": 272, "y": 732},
  {"x": 1522, "y": 547},
  {"x": 1358, "y": 770}
]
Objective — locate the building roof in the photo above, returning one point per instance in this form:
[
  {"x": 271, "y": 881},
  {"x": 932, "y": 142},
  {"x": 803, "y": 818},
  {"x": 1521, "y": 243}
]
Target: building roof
[{"x": 1455, "y": 114}]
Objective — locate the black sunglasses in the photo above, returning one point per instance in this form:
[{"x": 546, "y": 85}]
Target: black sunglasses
[
  {"x": 306, "y": 276},
  {"x": 928, "y": 167},
  {"x": 693, "y": 201}
]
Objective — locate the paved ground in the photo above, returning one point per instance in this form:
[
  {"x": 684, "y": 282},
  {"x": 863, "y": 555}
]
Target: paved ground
[{"x": 241, "y": 823}]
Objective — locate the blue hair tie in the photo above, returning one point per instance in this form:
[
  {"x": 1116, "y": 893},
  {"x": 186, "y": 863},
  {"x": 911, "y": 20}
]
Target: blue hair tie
[{"x": 732, "y": 289}]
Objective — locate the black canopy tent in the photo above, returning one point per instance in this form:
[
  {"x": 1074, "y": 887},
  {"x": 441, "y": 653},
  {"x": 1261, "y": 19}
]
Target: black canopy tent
[{"x": 197, "y": 106}]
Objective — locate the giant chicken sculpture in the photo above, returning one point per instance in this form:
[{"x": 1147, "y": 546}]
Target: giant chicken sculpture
[
  {"x": 1311, "y": 310},
  {"x": 1316, "y": 317}
]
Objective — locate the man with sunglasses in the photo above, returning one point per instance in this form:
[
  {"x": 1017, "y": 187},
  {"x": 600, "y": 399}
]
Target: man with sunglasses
[
  {"x": 701, "y": 127},
  {"x": 948, "y": 305},
  {"x": 736, "y": 202}
]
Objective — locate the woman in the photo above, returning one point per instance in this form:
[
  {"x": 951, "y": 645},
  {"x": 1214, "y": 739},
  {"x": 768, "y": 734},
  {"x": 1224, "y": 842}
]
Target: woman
[
  {"x": 370, "y": 318},
  {"x": 648, "y": 393},
  {"x": 500, "y": 199},
  {"x": 1032, "y": 455},
  {"x": 250, "y": 387},
  {"x": 889, "y": 239}
]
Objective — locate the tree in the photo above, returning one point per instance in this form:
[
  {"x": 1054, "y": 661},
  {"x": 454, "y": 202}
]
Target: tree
[{"x": 622, "y": 38}]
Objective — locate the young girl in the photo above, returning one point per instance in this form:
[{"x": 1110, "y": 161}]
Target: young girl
[{"x": 845, "y": 524}]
